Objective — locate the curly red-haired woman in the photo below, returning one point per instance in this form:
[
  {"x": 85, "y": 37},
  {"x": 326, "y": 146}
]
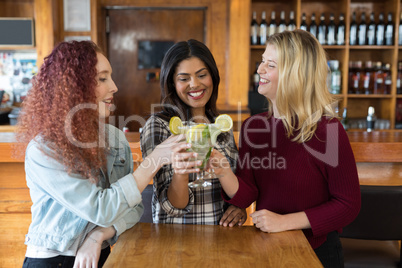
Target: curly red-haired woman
[{"x": 79, "y": 170}]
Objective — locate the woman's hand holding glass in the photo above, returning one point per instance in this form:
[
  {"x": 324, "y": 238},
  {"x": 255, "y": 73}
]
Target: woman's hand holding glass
[
  {"x": 184, "y": 162},
  {"x": 219, "y": 163}
]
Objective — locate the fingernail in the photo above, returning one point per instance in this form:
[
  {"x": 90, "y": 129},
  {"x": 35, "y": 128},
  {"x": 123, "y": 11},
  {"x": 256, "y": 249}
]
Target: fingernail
[
  {"x": 199, "y": 162},
  {"x": 194, "y": 154},
  {"x": 188, "y": 145}
]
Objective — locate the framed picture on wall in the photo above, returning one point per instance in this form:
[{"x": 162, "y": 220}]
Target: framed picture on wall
[{"x": 77, "y": 15}]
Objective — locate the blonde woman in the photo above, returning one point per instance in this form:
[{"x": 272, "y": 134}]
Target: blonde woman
[{"x": 295, "y": 161}]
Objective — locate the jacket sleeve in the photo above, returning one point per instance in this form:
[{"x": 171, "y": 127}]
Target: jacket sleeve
[
  {"x": 103, "y": 207},
  {"x": 133, "y": 216},
  {"x": 154, "y": 133}
]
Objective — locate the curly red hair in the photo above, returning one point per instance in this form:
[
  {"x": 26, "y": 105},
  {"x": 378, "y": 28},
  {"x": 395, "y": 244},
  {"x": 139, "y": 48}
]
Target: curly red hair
[{"x": 66, "y": 79}]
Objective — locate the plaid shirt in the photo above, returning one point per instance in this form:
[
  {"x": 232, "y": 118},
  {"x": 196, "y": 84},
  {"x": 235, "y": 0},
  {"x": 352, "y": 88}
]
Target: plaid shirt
[{"x": 205, "y": 205}]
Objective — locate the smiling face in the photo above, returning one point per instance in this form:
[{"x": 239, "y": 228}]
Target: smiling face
[
  {"x": 106, "y": 87},
  {"x": 268, "y": 71},
  {"x": 193, "y": 84}
]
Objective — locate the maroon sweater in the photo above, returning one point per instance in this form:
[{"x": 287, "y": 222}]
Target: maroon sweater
[{"x": 318, "y": 177}]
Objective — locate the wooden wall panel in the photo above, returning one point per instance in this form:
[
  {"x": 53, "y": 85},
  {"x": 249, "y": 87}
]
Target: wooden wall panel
[
  {"x": 17, "y": 8},
  {"x": 44, "y": 32},
  {"x": 237, "y": 85},
  {"x": 13, "y": 229}
]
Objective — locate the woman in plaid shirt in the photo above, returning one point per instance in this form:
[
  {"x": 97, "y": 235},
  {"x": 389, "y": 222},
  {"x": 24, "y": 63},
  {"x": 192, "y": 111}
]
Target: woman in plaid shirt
[{"x": 189, "y": 84}]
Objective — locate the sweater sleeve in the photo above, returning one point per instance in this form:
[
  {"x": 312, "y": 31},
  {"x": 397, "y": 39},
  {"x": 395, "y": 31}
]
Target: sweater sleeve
[
  {"x": 343, "y": 183},
  {"x": 247, "y": 192}
]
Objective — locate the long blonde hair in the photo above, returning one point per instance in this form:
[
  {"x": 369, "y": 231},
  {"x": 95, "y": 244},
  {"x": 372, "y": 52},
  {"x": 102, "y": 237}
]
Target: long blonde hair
[{"x": 302, "y": 97}]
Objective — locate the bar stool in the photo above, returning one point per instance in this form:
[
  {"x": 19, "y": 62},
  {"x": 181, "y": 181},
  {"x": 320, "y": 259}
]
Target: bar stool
[{"x": 372, "y": 239}]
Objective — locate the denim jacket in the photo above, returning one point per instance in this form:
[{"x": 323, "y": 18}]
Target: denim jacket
[{"x": 63, "y": 204}]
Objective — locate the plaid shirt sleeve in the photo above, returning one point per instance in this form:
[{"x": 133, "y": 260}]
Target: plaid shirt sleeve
[{"x": 155, "y": 132}]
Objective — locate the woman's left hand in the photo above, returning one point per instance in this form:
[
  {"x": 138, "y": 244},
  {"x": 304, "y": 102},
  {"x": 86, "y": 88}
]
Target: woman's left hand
[
  {"x": 233, "y": 215},
  {"x": 88, "y": 254},
  {"x": 268, "y": 221}
]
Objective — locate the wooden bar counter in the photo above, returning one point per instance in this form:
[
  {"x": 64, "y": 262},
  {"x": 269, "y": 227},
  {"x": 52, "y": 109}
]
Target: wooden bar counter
[
  {"x": 179, "y": 245},
  {"x": 378, "y": 155}
]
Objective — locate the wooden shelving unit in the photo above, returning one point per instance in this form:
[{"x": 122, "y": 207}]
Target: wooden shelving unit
[{"x": 357, "y": 104}]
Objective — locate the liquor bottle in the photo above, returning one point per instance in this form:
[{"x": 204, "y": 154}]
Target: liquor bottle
[
  {"x": 368, "y": 78},
  {"x": 340, "y": 35},
  {"x": 371, "y": 31},
  {"x": 380, "y": 31},
  {"x": 362, "y": 30},
  {"x": 336, "y": 77},
  {"x": 263, "y": 29},
  {"x": 399, "y": 79},
  {"x": 371, "y": 118},
  {"x": 357, "y": 74},
  {"x": 378, "y": 78},
  {"x": 256, "y": 77},
  {"x": 254, "y": 30},
  {"x": 400, "y": 30},
  {"x": 272, "y": 24},
  {"x": 303, "y": 24},
  {"x": 352, "y": 66},
  {"x": 387, "y": 79},
  {"x": 331, "y": 32},
  {"x": 322, "y": 30},
  {"x": 345, "y": 120},
  {"x": 282, "y": 23},
  {"x": 292, "y": 23},
  {"x": 313, "y": 26},
  {"x": 353, "y": 31},
  {"x": 329, "y": 76},
  {"x": 389, "y": 31}
]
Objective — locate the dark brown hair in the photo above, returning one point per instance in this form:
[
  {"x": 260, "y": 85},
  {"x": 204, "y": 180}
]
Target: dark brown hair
[{"x": 172, "y": 105}]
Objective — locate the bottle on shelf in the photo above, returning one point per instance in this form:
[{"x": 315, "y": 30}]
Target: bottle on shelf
[
  {"x": 292, "y": 23},
  {"x": 378, "y": 78},
  {"x": 272, "y": 24},
  {"x": 303, "y": 24},
  {"x": 399, "y": 79},
  {"x": 254, "y": 30},
  {"x": 362, "y": 30},
  {"x": 371, "y": 118},
  {"x": 322, "y": 30},
  {"x": 336, "y": 77},
  {"x": 389, "y": 31},
  {"x": 353, "y": 31},
  {"x": 371, "y": 31},
  {"x": 352, "y": 67},
  {"x": 380, "y": 31},
  {"x": 400, "y": 30},
  {"x": 356, "y": 78},
  {"x": 331, "y": 31},
  {"x": 263, "y": 29},
  {"x": 368, "y": 78},
  {"x": 256, "y": 78},
  {"x": 341, "y": 29},
  {"x": 387, "y": 79},
  {"x": 345, "y": 120},
  {"x": 282, "y": 23},
  {"x": 313, "y": 26}
]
